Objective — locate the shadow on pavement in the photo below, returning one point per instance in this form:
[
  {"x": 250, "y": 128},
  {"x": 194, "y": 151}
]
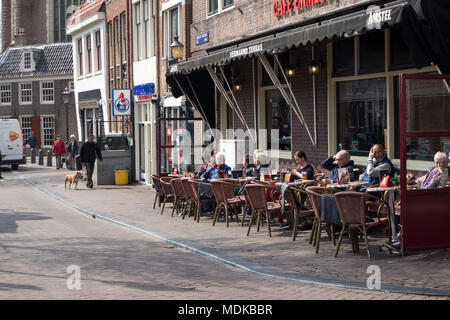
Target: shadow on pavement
[
  {"x": 12, "y": 286},
  {"x": 8, "y": 220}
]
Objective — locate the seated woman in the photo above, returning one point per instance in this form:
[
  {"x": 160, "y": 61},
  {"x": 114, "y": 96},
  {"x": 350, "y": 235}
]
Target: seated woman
[
  {"x": 437, "y": 176},
  {"x": 303, "y": 166},
  {"x": 247, "y": 168},
  {"x": 259, "y": 158}
]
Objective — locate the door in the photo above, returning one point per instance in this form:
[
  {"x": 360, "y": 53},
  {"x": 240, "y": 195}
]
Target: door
[{"x": 142, "y": 143}]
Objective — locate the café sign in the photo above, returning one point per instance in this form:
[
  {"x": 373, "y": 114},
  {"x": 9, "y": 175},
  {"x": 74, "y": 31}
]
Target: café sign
[
  {"x": 247, "y": 50},
  {"x": 281, "y": 7}
]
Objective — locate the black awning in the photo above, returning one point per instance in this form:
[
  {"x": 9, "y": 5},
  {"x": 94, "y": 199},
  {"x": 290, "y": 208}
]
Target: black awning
[
  {"x": 199, "y": 89},
  {"x": 347, "y": 25},
  {"x": 89, "y": 96}
]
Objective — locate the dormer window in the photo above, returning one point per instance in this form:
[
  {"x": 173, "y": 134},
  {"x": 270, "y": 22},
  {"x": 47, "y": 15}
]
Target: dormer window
[{"x": 27, "y": 61}]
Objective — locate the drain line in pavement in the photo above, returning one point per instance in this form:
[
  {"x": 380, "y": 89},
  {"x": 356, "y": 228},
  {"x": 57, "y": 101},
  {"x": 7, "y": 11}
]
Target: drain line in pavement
[{"x": 295, "y": 277}]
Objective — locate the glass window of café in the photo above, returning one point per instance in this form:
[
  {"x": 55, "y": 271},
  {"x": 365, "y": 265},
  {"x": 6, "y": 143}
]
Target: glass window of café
[{"x": 365, "y": 75}]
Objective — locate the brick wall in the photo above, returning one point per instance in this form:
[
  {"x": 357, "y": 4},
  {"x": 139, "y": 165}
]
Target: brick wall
[{"x": 250, "y": 17}]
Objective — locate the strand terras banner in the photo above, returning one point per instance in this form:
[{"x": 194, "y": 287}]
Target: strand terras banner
[{"x": 121, "y": 102}]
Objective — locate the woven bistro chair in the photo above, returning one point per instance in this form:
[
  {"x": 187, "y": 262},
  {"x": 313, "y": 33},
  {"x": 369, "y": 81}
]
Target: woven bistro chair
[
  {"x": 258, "y": 203},
  {"x": 314, "y": 194},
  {"x": 242, "y": 183},
  {"x": 190, "y": 196},
  {"x": 230, "y": 200},
  {"x": 180, "y": 196},
  {"x": 219, "y": 195},
  {"x": 199, "y": 201},
  {"x": 167, "y": 191},
  {"x": 353, "y": 211},
  {"x": 297, "y": 214},
  {"x": 159, "y": 192}
]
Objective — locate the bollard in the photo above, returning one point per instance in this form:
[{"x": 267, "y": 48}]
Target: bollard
[
  {"x": 41, "y": 157},
  {"x": 1, "y": 165},
  {"x": 49, "y": 158},
  {"x": 33, "y": 155}
]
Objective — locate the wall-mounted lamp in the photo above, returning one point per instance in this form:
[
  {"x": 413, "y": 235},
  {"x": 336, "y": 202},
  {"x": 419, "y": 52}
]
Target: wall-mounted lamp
[
  {"x": 290, "y": 71},
  {"x": 314, "y": 68},
  {"x": 177, "y": 48},
  {"x": 237, "y": 86}
]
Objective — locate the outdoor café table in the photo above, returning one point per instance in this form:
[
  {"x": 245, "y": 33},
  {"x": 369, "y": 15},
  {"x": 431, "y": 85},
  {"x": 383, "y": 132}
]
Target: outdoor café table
[
  {"x": 347, "y": 186},
  {"x": 391, "y": 198}
]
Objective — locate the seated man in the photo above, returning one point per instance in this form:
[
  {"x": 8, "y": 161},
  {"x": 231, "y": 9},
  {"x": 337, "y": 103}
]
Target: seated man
[
  {"x": 340, "y": 160},
  {"x": 218, "y": 170},
  {"x": 376, "y": 163}
]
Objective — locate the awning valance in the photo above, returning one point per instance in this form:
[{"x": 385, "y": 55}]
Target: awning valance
[{"x": 359, "y": 22}]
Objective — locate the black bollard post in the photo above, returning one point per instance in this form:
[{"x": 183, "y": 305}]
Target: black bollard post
[
  {"x": 33, "y": 155},
  {"x": 49, "y": 158},
  {"x": 41, "y": 157},
  {"x": 1, "y": 165}
]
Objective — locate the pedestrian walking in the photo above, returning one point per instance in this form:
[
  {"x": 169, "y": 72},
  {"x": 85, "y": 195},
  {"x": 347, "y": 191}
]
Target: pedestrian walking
[
  {"x": 89, "y": 152},
  {"x": 32, "y": 140},
  {"x": 72, "y": 152},
  {"x": 59, "y": 149}
]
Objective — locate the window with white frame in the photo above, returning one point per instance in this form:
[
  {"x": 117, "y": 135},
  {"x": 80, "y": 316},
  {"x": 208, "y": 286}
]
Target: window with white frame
[
  {"x": 26, "y": 61},
  {"x": 26, "y": 126},
  {"x": 25, "y": 93},
  {"x": 47, "y": 130},
  {"x": 98, "y": 48},
  {"x": 5, "y": 94},
  {"x": 80, "y": 56},
  {"x": 89, "y": 53},
  {"x": 171, "y": 29},
  {"x": 216, "y": 6},
  {"x": 47, "y": 92},
  {"x": 71, "y": 86},
  {"x": 137, "y": 28}
]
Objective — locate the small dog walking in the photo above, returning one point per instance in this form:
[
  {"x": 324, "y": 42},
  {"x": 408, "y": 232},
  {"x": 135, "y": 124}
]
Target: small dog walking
[{"x": 72, "y": 179}]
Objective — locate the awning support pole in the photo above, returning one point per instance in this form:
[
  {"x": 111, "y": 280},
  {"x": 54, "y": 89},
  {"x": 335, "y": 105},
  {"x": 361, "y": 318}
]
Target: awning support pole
[
  {"x": 230, "y": 102},
  {"x": 238, "y": 109},
  {"x": 277, "y": 83}
]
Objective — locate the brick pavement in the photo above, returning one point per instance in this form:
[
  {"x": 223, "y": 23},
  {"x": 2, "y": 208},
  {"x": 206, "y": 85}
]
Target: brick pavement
[{"x": 278, "y": 254}]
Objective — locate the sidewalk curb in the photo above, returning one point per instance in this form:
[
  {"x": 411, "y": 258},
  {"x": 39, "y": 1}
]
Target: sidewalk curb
[{"x": 224, "y": 257}]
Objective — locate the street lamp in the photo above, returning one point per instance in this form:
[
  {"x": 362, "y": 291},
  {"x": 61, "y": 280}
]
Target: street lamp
[
  {"x": 66, "y": 96},
  {"x": 177, "y": 48}
]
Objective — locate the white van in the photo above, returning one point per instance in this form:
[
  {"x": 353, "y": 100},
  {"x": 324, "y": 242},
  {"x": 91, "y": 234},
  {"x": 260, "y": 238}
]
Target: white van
[{"x": 11, "y": 143}]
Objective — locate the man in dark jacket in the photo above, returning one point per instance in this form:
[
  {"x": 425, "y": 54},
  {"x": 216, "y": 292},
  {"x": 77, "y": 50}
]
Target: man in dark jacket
[
  {"x": 340, "y": 160},
  {"x": 88, "y": 153}
]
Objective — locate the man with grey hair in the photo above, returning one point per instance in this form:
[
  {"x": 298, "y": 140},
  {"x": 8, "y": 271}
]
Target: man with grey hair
[
  {"x": 339, "y": 160},
  {"x": 218, "y": 170}
]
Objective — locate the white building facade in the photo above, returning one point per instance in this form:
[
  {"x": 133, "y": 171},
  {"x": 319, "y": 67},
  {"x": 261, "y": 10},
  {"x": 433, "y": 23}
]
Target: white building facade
[
  {"x": 145, "y": 77},
  {"x": 88, "y": 30}
]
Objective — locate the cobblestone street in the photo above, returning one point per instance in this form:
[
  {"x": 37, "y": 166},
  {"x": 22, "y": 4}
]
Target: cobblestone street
[{"x": 41, "y": 237}]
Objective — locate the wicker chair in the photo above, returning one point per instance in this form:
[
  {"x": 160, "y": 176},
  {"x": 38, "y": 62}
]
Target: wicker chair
[
  {"x": 167, "y": 191},
  {"x": 230, "y": 200},
  {"x": 314, "y": 194},
  {"x": 159, "y": 191},
  {"x": 353, "y": 211},
  {"x": 219, "y": 194},
  {"x": 180, "y": 196},
  {"x": 297, "y": 214},
  {"x": 190, "y": 196},
  {"x": 258, "y": 203},
  {"x": 199, "y": 201}
]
